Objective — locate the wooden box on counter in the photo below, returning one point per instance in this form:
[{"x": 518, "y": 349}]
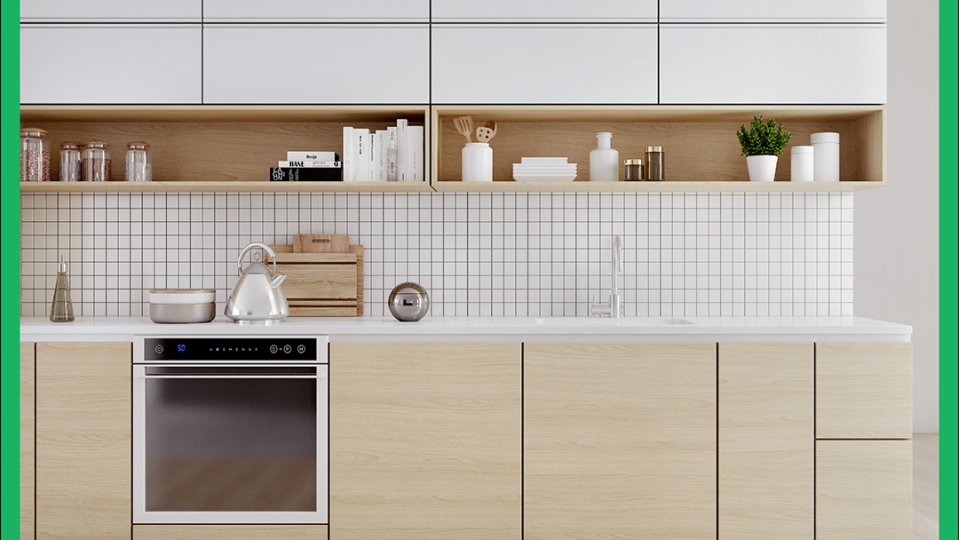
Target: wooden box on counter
[{"x": 321, "y": 284}]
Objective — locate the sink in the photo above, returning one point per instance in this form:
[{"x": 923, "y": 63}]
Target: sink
[{"x": 605, "y": 321}]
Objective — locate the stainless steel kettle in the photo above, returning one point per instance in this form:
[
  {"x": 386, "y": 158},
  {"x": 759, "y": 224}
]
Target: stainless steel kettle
[{"x": 257, "y": 297}]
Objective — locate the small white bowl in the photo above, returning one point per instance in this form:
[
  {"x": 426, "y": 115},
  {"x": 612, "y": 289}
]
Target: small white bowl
[
  {"x": 182, "y": 313},
  {"x": 182, "y": 296}
]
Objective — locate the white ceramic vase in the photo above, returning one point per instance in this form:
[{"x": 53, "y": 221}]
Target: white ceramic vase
[
  {"x": 762, "y": 168},
  {"x": 477, "y": 162}
]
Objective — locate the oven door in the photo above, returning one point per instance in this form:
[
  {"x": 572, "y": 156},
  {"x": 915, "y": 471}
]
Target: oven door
[{"x": 221, "y": 443}]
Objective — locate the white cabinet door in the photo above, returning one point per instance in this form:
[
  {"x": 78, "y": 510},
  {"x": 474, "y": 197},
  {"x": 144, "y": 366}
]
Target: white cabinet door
[
  {"x": 557, "y": 10},
  {"x": 316, "y": 64},
  {"x": 316, "y": 11},
  {"x": 812, "y": 64},
  {"x": 141, "y": 63},
  {"x": 777, "y": 11},
  {"x": 110, "y": 11},
  {"x": 544, "y": 63}
]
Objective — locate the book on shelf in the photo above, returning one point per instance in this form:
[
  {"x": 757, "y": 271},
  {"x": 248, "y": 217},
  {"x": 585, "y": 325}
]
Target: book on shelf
[
  {"x": 312, "y": 156},
  {"x": 348, "y": 159},
  {"x": 308, "y": 164},
  {"x": 306, "y": 174},
  {"x": 414, "y": 154},
  {"x": 391, "y": 154},
  {"x": 380, "y": 151},
  {"x": 401, "y": 135}
]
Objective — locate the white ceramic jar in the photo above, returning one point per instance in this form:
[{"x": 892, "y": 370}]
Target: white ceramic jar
[
  {"x": 826, "y": 154},
  {"x": 801, "y": 164},
  {"x": 477, "y": 162}
]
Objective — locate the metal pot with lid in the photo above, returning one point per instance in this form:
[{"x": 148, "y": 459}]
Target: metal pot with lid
[{"x": 257, "y": 297}]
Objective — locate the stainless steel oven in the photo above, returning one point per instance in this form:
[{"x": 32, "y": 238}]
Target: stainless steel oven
[{"x": 230, "y": 429}]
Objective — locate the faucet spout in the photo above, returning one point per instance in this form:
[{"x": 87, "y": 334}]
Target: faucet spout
[{"x": 614, "y": 308}]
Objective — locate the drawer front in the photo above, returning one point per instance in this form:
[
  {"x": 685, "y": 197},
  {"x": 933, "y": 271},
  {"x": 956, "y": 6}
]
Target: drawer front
[
  {"x": 139, "y": 64},
  {"x": 863, "y": 390},
  {"x": 766, "y": 11},
  {"x": 801, "y": 64},
  {"x": 316, "y": 64},
  {"x": 558, "y": 10},
  {"x": 316, "y": 11},
  {"x": 543, "y": 64},
  {"x": 229, "y": 532},
  {"x": 864, "y": 490},
  {"x": 110, "y": 11}
]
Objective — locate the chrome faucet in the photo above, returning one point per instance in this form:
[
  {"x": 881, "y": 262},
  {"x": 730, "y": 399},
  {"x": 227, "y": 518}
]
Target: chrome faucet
[{"x": 614, "y": 308}]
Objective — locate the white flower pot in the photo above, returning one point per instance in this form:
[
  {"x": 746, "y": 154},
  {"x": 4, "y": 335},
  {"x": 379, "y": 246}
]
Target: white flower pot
[{"x": 762, "y": 168}]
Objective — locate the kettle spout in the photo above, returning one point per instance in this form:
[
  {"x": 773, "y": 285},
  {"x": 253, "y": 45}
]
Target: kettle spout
[{"x": 277, "y": 281}]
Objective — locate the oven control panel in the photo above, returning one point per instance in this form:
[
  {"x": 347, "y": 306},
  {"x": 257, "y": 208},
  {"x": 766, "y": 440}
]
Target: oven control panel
[{"x": 231, "y": 349}]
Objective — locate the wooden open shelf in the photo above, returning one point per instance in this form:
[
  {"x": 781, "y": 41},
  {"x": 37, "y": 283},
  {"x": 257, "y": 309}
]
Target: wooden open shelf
[
  {"x": 230, "y": 148},
  {"x": 702, "y": 152},
  {"x": 215, "y": 148}
]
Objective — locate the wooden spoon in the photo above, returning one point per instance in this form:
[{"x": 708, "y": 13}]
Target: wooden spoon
[
  {"x": 491, "y": 125},
  {"x": 484, "y": 134},
  {"x": 464, "y": 124}
]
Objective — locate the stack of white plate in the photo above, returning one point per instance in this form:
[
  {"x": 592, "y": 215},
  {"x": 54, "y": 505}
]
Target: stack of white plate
[
  {"x": 544, "y": 169},
  {"x": 182, "y": 305}
]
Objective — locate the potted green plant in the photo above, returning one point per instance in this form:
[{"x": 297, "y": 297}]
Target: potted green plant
[{"x": 762, "y": 144}]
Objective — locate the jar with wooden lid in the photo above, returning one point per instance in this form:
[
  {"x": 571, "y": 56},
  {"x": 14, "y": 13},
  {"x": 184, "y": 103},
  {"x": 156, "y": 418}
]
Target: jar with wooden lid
[
  {"x": 634, "y": 170},
  {"x": 137, "y": 167},
  {"x": 34, "y": 155},
  {"x": 70, "y": 161},
  {"x": 95, "y": 163}
]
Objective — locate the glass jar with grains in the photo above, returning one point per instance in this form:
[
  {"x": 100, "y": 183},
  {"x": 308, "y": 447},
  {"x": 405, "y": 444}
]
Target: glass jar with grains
[
  {"x": 34, "y": 155},
  {"x": 95, "y": 165}
]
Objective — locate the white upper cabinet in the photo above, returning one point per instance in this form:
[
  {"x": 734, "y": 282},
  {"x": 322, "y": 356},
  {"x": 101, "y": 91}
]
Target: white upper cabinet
[
  {"x": 316, "y": 11},
  {"x": 348, "y": 64},
  {"x": 543, "y": 63},
  {"x": 554, "y": 11},
  {"x": 110, "y": 11},
  {"x": 141, "y": 63},
  {"x": 811, "y": 11},
  {"x": 781, "y": 64}
]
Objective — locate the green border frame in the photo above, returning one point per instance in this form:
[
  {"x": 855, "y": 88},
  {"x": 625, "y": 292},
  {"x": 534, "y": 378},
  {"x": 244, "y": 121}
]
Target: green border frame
[
  {"x": 10, "y": 281},
  {"x": 948, "y": 270}
]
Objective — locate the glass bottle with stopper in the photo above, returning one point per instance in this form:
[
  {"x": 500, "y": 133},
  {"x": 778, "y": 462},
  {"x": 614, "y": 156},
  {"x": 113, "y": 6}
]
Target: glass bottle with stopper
[{"x": 62, "y": 308}]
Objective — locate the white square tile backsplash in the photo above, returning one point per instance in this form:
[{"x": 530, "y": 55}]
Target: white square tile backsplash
[{"x": 502, "y": 254}]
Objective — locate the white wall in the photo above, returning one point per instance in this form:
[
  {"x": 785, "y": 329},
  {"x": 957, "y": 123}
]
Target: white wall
[{"x": 897, "y": 227}]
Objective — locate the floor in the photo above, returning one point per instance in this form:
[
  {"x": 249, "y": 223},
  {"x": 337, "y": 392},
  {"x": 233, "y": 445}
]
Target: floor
[{"x": 925, "y": 486}]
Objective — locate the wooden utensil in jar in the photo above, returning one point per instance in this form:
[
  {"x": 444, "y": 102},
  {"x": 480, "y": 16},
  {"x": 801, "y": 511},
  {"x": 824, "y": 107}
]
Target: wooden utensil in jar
[
  {"x": 491, "y": 125},
  {"x": 464, "y": 124},
  {"x": 484, "y": 134}
]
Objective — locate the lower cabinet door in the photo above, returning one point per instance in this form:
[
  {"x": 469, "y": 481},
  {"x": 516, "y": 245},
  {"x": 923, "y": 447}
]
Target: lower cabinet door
[
  {"x": 864, "y": 490},
  {"x": 27, "y": 442},
  {"x": 619, "y": 440},
  {"x": 766, "y": 441},
  {"x": 229, "y": 532},
  {"x": 84, "y": 415},
  {"x": 425, "y": 441}
]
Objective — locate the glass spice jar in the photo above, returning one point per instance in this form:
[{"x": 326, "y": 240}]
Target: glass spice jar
[
  {"x": 70, "y": 161},
  {"x": 634, "y": 170},
  {"x": 95, "y": 163},
  {"x": 34, "y": 155},
  {"x": 654, "y": 163},
  {"x": 137, "y": 167}
]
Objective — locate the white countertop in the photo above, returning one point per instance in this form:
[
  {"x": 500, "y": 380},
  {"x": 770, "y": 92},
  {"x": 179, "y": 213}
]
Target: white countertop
[{"x": 633, "y": 329}]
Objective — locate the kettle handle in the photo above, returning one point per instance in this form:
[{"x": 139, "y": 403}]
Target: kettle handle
[{"x": 239, "y": 260}]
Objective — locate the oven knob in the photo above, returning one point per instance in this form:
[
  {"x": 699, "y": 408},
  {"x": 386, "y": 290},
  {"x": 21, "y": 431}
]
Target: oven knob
[
  {"x": 287, "y": 349},
  {"x": 273, "y": 349},
  {"x": 301, "y": 348},
  {"x": 159, "y": 349}
]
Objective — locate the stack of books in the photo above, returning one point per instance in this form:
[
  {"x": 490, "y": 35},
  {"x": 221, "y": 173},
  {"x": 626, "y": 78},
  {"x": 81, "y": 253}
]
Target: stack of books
[
  {"x": 394, "y": 154},
  {"x": 308, "y": 167}
]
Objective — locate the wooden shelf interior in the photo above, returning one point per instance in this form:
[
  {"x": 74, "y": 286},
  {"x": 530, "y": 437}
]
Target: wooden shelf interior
[
  {"x": 700, "y": 143},
  {"x": 214, "y": 143}
]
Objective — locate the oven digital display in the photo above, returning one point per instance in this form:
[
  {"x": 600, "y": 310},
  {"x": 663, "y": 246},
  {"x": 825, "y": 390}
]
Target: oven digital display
[{"x": 230, "y": 349}]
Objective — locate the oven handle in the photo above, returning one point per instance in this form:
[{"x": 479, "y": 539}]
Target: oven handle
[{"x": 228, "y": 377}]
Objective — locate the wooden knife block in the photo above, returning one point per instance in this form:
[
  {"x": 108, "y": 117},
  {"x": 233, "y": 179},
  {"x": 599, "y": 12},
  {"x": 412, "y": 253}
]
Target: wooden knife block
[{"x": 321, "y": 284}]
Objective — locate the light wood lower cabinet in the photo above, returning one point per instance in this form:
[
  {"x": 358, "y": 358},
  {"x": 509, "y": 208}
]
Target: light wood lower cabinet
[
  {"x": 425, "y": 441},
  {"x": 619, "y": 440},
  {"x": 765, "y": 441},
  {"x": 864, "y": 490},
  {"x": 83, "y": 412},
  {"x": 27, "y": 442},
  {"x": 230, "y": 532}
]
